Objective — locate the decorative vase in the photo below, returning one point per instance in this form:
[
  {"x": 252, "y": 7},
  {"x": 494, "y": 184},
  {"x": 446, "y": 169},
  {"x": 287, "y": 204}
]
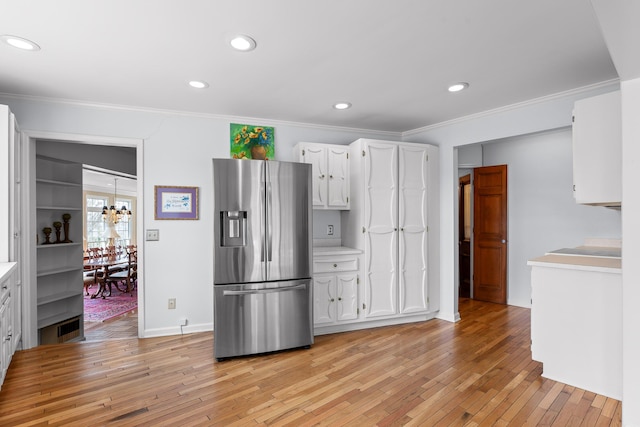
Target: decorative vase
[
  {"x": 47, "y": 234},
  {"x": 57, "y": 225},
  {"x": 258, "y": 152},
  {"x": 65, "y": 218}
]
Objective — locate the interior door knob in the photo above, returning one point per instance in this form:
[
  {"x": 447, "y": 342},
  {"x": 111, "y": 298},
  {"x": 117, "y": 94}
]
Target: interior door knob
[{"x": 504, "y": 241}]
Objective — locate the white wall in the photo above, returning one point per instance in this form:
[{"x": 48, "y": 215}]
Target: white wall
[
  {"x": 177, "y": 151},
  {"x": 534, "y": 116},
  {"x": 542, "y": 212},
  {"x": 630, "y": 252}
]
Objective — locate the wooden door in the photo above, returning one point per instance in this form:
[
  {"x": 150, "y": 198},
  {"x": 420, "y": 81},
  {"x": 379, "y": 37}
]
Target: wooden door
[
  {"x": 490, "y": 234},
  {"x": 338, "y": 183},
  {"x": 380, "y": 229},
  {"x": 412, "y": 220},
  {"x": 464, "y": 236}
]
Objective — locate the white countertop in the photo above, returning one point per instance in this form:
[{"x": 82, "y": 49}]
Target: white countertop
[
  {"x": 577, "y": 262},
  {"x": 335, "y": 250}
]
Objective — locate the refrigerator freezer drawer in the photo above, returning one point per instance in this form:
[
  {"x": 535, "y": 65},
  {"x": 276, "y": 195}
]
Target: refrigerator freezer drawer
[{"x": 262, "y": 317}]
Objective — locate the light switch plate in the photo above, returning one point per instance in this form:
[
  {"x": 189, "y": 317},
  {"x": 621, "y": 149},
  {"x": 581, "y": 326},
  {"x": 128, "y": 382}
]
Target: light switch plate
[{"x": 153, "y": 235}]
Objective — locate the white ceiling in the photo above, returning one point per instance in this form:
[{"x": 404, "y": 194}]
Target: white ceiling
[
  {"x": 107, "y": 182},
  {"x": 391, "y": 59}
]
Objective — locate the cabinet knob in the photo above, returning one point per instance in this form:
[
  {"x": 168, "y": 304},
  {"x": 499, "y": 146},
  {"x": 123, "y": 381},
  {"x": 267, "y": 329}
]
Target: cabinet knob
[
  {"x": 339, "y": 299},
  {"x": 322, "y": 176},
  {"x": 332, "y": 300},
  {"x": 330, "y": 176},
  {"x": 335, "y": 265}
]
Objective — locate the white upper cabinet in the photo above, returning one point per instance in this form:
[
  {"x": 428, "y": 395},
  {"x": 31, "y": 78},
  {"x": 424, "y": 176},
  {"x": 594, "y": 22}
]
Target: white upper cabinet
[
  {"x": 330, "y": 173},
  {"x": 597, "y": 150}
]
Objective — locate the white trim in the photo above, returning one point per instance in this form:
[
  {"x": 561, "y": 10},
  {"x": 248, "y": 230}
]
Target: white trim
[
  {"x": 613, "y": 84},
  {"x": 234, "y": 119},
  {"x": 29, "y": 288}
]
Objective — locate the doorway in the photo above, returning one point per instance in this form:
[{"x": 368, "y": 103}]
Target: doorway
[
  {"x": 482, "y": 228},
  {"x": 464, "y": 235},
  {"x": 81, "y": 145}
]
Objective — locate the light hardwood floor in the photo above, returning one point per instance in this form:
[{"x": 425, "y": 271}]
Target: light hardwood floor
[
  {"x": 121, "y": 327},
  {"x": 477, "y": 372}
]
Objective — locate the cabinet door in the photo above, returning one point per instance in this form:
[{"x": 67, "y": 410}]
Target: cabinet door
[
  {"x": 347, "y": 291},
  {"x": 316, "y": 156},
  {"x": 412, "y": 217},
  {"x": 5, "y": 331},
  {"x": 338, "y": 183},
  {"x": 597, "y": 150},
  {"x": 380, "y": 229},
  {"x": 324, "y": 291}
]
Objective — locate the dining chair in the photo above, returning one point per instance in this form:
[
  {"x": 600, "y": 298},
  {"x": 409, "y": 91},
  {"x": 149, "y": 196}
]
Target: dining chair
[{"x": 127, "y": 277}]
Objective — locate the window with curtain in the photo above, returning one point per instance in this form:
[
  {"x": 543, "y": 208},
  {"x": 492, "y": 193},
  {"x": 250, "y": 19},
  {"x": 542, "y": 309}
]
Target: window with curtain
[{"x": 95, "y": 226}]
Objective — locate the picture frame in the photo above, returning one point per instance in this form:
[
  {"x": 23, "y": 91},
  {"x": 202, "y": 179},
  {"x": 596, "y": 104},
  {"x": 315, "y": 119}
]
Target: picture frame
[{"x": 175, "y": 202}]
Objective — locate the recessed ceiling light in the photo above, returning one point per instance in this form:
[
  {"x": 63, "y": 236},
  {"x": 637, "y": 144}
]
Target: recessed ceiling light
[
  {"x": 198, "y": 84},
  {"x": 342, "y": 105},
  {"x": 243, "y": 43},
  {"x": 457, "y": 87},
  {"x": 19, "y": 42}
]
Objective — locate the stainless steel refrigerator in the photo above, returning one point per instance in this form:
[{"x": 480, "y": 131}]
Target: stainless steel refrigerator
[{"x": 263, "y": 295}]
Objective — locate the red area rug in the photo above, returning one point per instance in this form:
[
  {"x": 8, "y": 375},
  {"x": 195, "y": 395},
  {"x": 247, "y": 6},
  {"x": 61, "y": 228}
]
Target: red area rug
[{"x": 99, "y": 310}]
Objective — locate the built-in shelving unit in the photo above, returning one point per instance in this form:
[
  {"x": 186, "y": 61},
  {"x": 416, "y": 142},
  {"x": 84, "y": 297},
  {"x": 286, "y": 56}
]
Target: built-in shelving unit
[{"x": 59, "y": 264}]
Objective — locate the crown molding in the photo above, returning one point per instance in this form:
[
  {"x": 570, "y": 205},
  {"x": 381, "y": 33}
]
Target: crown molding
[
  {"x": 234, "y": 119},
  {"x": 612, "y": 84}
]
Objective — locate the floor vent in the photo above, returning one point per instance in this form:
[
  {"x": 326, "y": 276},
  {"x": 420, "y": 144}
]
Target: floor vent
[{"x": 60, "y": 332}]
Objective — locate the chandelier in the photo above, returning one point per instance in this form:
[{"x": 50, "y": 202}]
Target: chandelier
[{"x": 112, "y": 214}]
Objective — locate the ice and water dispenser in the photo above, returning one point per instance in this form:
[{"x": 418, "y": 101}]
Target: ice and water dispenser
[{"x": 233, "y": 228}]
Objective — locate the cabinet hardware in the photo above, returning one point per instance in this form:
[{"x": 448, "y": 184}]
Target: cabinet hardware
[
  {"x": 335, "y": 265},
  {"x": 303, "y": 153},
  {"x": 339, "y": 299},
  {"x": 347, "y": 155},
  {"x": 364, "y": 306},
  {"x": 332, "y": 300},
  {"x": 330, "y": 176},
  {"x": 362, "y": 153},
  {"x": 358, "y": 280},
  {"x": 363, "y": 230}
]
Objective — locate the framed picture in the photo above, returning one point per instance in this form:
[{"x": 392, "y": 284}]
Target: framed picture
[
  {"x": 251, "y": 142},
  {"x": 176, "y": 202}
]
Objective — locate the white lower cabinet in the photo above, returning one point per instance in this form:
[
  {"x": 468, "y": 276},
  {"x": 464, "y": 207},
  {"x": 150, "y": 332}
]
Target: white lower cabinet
[{"x": 335, "y": 289}]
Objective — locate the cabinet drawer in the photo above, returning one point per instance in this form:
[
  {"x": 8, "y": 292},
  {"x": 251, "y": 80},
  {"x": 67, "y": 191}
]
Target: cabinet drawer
[{"x": 329, "y": 265}]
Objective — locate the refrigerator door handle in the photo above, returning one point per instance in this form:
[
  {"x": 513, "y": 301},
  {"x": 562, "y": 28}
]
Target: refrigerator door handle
[
  {"x": 269, "y": 220},
  {"x": 265, "y": 291}
]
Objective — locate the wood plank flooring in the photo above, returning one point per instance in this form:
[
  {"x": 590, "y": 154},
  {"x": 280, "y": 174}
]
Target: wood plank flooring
[
  {"x": 477, "y": 372},
  {"x": 121, "y": 327}
]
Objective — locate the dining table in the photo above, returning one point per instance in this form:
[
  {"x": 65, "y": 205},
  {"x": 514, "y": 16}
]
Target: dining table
[{"x": 105, "y": 265}]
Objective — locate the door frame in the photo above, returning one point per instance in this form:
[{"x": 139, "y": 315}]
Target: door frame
[{"x": 29, "y": 300}]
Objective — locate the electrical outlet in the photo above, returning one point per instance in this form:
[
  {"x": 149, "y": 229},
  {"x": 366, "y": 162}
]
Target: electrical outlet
[
  {"x": 153, "y": 235},
  {"x": 172, "y": 303},
  {"x": 329, "y": 230}
]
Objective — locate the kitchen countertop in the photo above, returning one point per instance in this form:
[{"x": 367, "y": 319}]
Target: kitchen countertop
[
  {"x": 578, "y": 262},
  {"x": 335, "y": 250}
]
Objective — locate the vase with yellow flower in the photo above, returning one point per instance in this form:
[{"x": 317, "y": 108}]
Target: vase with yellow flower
[{"x": 251, "y": 142}]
